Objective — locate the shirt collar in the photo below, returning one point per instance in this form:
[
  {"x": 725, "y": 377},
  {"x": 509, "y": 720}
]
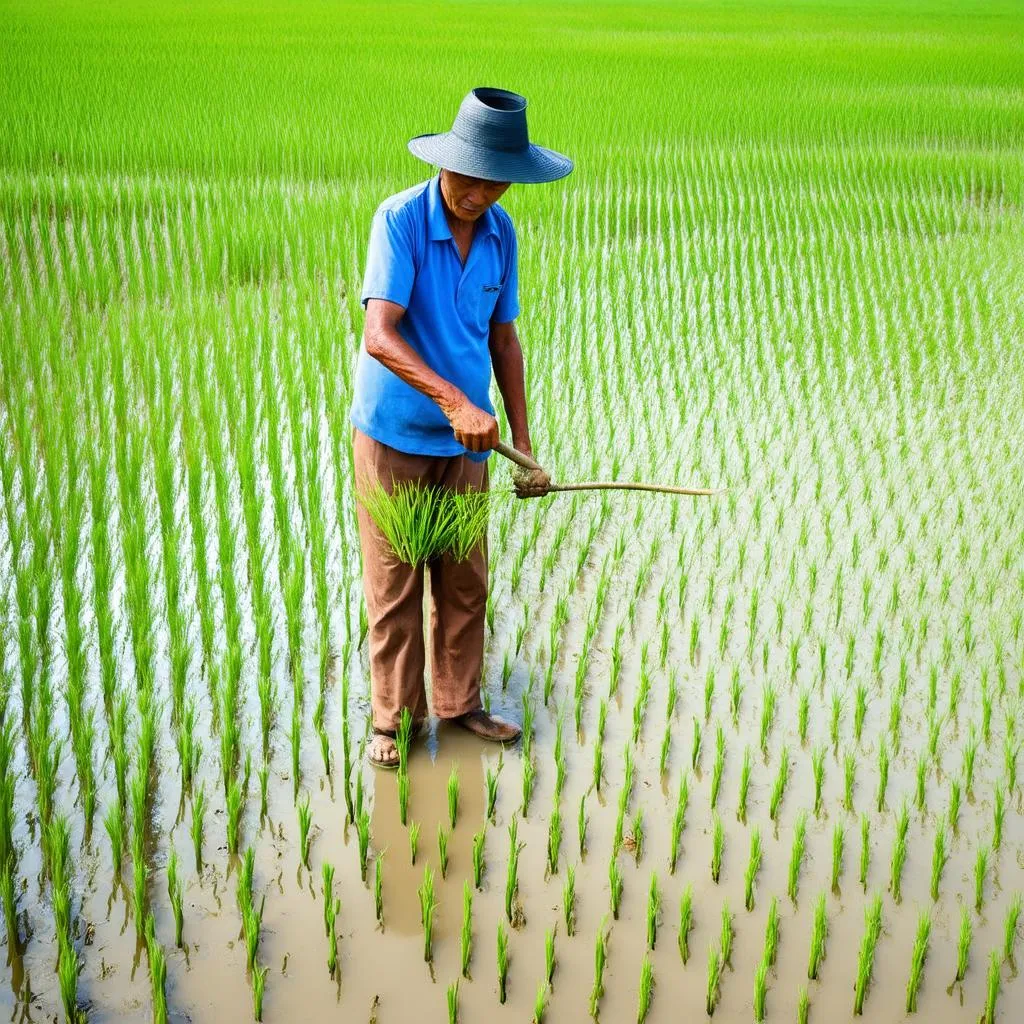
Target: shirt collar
[{"x": 438, "y": 223}]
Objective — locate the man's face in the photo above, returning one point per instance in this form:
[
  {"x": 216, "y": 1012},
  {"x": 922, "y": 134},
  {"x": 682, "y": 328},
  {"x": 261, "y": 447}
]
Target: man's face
[{"x": 467, "y": 198}]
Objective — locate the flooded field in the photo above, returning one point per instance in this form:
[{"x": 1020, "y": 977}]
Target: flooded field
[{"x": 771, "y": 754}]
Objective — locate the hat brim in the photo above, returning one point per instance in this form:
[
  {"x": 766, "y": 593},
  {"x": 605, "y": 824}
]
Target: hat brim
[{"x": 530, "y": 166}]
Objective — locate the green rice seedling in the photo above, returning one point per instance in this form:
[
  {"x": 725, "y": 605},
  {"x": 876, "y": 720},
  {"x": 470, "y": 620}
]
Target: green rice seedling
[
  {"x": 899, "y": 853},
  {"x": 998, "y": 817},
  {"x": 735, "y": 696},
  {"x": 819, "y": 933},
  {"x": 67, "y": 974},
  {"x": 646, "y": 990},
  {"x": 726, "y": 936},
  {"x": 883, "y": 776},
  {"x": 797, "y": 855},
  {"x": 678, "y": 822},
  {"x": 666, "y": 746},
  {"x": 305, "y": 821},
  {"x": 637, "y": 834},
  {"x": 442, "y": 849},
  {"x": 453, "y": 796},
  {"x": 714, "y": 980},
  {"x": 414, "y": 841},
  {"x": 963, "y": 946},
  {"x": 478, "y": 856},
  {"x": 709, "y": 693},
  {"x": 157, "y": 973},
  {"x": 779, "y": 787},
  {"x": 549, "y": 956},
  {"x": 554, "y": 840},
  {"x": 717, "y": 848},
  {"x": 970, "y": 754},
  {"x": 1010, "y": 923},
  {"x": 1010, "y": 749},
  {"x": 615, "y": 883},
  {"x": 771, "y": 933},
  {"x": 838, "y": 843},
  {"x": 940, "y": 857},
  {"x": 860, "y": 707},
  {"x": 363, "y": 839},
  {"x": 569, "y": 900},
  {"x": 753, "y": 866},
  {"x": 466, "y": 936},
  {"x": 252, "y": 920},
  {"x": 685, "y": 922},
  {"x": 980, "y": 869},
  {"x": 760, "y": 990},
  {"x": 803, "y": 1006},
  {"x": 540, "y": 1003},
  {"x": 836, "y": 717},
  {"x": 235, "y": 806},
  {"x": 263, "y": 774},
  {"x": 953, "y": 812},
  {"x": 378, "y": 886},
  {"x": 769, "y": 696},
  {"x": 140, "y": 875},
  {"x": 921, "y": 773},
  {"x": 697, "y": 735},
  {"x": 924, "y": 927},
  {"x": 529, "y": 775},
  {"x": 653, "y": 911},
  {"x": 598, "y": 764},
  {"x": 741, "y": 804},
  {"x": 174, "y": 894},
  {"x": 198, "y": 816},
  {"x": 259, "y": 982},
  {"x": 719, "y": 766},
  {"x": 492, "y": 789},
  {"x": 992, "y": 988},
  {"x": 502, "y": 962},
  {"x": 403, "y": 782},
  {"x": 327, "y": 889},
  {"x": 453, "y": 1002},
  {"x": 600, "y": 959},
  {"x": 866, "y": 958},
  {"x": 865, "y": 849},
  {"x": 113, "y": 822},
  {"x": 802, "y": 714},
  {"x": 512, "y": 878},
  {"x": 428, "y": 904},
  {"x": 581, "y": 825},
  {"x": 818, "y": 769}
]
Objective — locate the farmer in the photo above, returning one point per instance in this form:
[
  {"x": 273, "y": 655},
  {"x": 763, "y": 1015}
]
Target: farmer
[{"x": 441, "y": 298}]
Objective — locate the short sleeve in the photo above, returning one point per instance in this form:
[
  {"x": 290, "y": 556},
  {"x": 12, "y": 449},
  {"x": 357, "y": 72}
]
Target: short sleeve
[
  {"x": 390, "y": 268},
  {"x": 507, "y": 306}
]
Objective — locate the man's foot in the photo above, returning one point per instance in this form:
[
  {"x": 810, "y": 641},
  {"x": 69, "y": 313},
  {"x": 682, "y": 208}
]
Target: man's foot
[
  {"x": 383, "y": 751},
  {"x": 488, "y": 727}
]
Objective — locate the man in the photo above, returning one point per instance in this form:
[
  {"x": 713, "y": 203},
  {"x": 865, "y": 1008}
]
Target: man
[{"x": 441, "y": 298}]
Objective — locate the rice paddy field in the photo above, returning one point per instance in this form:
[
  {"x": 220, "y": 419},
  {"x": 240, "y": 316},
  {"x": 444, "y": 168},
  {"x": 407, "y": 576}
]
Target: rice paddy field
[{"x": 771, "y": 765}]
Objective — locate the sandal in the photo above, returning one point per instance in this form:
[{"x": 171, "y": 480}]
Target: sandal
[
  {"x": 376, "y": 745},
  {"x": 488, "y": 727}
]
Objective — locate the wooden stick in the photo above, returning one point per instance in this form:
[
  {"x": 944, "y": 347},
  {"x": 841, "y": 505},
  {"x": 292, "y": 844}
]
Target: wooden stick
[{"x": 521, "y": 459}]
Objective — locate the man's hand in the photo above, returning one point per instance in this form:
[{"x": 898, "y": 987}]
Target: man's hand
[
  {"x": 475, "y": 429},
  {"x": 530, "y": 483}
]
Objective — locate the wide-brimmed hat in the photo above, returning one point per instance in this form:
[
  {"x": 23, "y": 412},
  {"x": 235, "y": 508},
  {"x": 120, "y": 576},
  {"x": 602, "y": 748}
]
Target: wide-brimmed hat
[{"x": 489, "y": 140}]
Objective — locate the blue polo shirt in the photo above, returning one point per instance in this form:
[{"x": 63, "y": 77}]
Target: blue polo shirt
[{"x": 413, "y": 260}]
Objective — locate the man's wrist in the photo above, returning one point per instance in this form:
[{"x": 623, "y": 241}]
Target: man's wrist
[{"x": 449, "y": 399}]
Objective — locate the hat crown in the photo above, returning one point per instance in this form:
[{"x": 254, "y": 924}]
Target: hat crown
[{"x": 494, "y": 119}]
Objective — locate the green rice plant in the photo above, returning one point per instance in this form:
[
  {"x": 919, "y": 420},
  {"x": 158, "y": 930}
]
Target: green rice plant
[
  {"x": 697, "y": 741},
  {"x": 726, "y": 935},
  {"x": 963, "y": 946},
  {"x": 540, "y": 1003},
  {"x": 685, "y": 922},
  {"x": 263, "y": 774},
  {"x": 600, "y": 959},
  {"x": 709, "y": 693},
  {"x": 414, "y": 841},
  {"x": 802, "y": 714},
  {"x": 760, "y": 990},
  {"x": 569, "y": 900},
  {"x": 363, "y": 839},
  {"x": 67, "y": 975},
  {"x": 453, "y": 1002},
  {"x": 714, "y": 980},
  {"x": 838, "y": 843},
  {"x": 797, "y": 854},
  {"x": 157, "y": 972},
  {"x": 252, "y": 920},
  {"x": 305, "y": 821},
  {"x": 581, "y": 824},
  {"x": 883, "y": 776},
  {"x": 818, "y": 770},
  {"x": 378, "y": 886},
  {"x": 719, "y": 766},
  {"x": 717, "y": 848},
  {"x": 753, "y": 866},
  {"x": 174, "y": 895},
  {"x": 1010, "y": 923},
  {"x": 924, "y": 927},
  {"x": 502, "y": 962},
  {"x": 478, "y": 855},
  {"x": 836, "y": 716},
  {"x": 866, "y": 958},
  {"x": 554, "y": 840},
  {"x": 615, "y": 884},
  {"x": 646, "y": 990},
  {"x": 327, "y": 890},
  {"x": 769, "y": 696},
  {"x": 741, "y": 804},
  {"x": 549, "y": 956},
  {"x": 198, "y": 816},
  {"x": 865, "y": 849},
  {"x": 403, "y": 783},
  {"x": 678, "y": 821},
  {"x": 1010, "y": 750},
  {"x": 113, "y": 822},
  {"x": 636, "y": 834},
  {"x": 735, "y": 696},
  {"x": 803, "y": 1005},
  {"x": 779, "y": 787},
  {"x": 512, "y": 877},
  {"x": 970, "y": 754},
  {"x": 453, "y": 796},
  {"x": 653, "y": 911},
  {"x": 140, "y": 876},
  {"x": 921, "y": 773},
  {"x": 980, "y": 870},
  {"x": 953, "y": 813},
  {"x": 998, "y": 816},
  {"x": 442, "y": 849},
  {"x": 992, "y": 988},
  {"x": 428, "y": 904},
  {"x": 771, "y": 933},
  {"x": 529, "y": 775},
  {"x": 259, "y": 982},
  {"x": 819, "y": 933},
  {"x": 466, "y": 936},
  {"x": 492, "y": 789},
  {"x": 899, "y": 853},
  {"x": 598, "y": 764},
  {"x": 860, "y": 707},
  {"x": 940, "y": 857}
]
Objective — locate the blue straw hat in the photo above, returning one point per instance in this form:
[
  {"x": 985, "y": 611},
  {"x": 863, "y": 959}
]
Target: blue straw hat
[{"x": 489, "y": 140}]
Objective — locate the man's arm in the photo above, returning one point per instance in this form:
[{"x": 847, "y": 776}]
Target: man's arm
[
  {"x": 507, "y": 361},
  {"x": 474, "y": 428}
]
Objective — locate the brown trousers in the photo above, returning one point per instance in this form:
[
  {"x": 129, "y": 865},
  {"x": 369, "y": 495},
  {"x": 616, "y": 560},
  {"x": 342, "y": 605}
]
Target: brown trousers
[{"x": 394, "y": 597}]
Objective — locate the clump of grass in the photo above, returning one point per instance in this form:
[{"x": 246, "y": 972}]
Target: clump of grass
[
  {"x": 963, "y": 946},
  {"x": 866, "y": 958},
  {"x": 502, "y": 962},
  {"x": 554, "y": 839},
  {"x": 453, "y": 796},
  {"x": 404, "y": 783},
  {"x": 771, "y": 933},
  {"x": 924, "y": 927},
  {"x": 678, "y": 822},
  {"x": 540, "y": 1003},
  {"x": 717, "y": 848},
  {"x": 719, "y": 765},
  {"x": 363, "y": 839},
  {"x": 615, "y": 883},
  {"x": 940, "y": 857},
  {"x": 414, "y": 841},
  {"x": 779, "y": 787},
  {"x": 998, "y": 817},
  {"x": 549, "y": 955},
  {"x": 797, "y": 855},
  {"x": 899, "y": 853},
  {"x": 305, "y": 820},
  {"x": 818, "y": 770},
  {"x": 569, "y": 900},
  {"x": 685, "y": 923},
  {"x": 378, "y": 886},
  {"x": 198, "y": 821},
  {"x": 803, "y": 1006},
  {"x": 653, "y": 910},
  {"x": 453, "y": 1002},
  {"x": 838, "y": 842},
  {"x": 980, "y": 870},
  {"x": 849, "y": 776},
  {"x": 646, "y": 989},
  {"x": 883, "y": 776},
  {"x": 865, "y": 849},
  {"x": 492, "y": 789},
  {"x": 600, "y": 959},
  {"x": 428, "y": 904},
  {"x": 992, "y": 990},
  {"x": 760, "y": 990},
  {"x": 113, "y": 822},
  {"x": 466, "y": 936},
  {"x": 478, "y": 855},
  {"x": 741, "y": 803},
  {"x": 819, "y": 933},
  {"x": 157, "y": 972},
  {"x": 1010, "y": 923},
  {"x": 174, "y": 894},
  {"x": 442, "y": 849},
  {"x": 726, "y": 935},
  {"x": 259, "y": 983},
  {"x": 714, "y": 980},
  {"x": 581, "y": 825},
  {"x": 512, "y": 877},
  {"x": 636, "y": 835},
  {"x": 753, "y": 866}
]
